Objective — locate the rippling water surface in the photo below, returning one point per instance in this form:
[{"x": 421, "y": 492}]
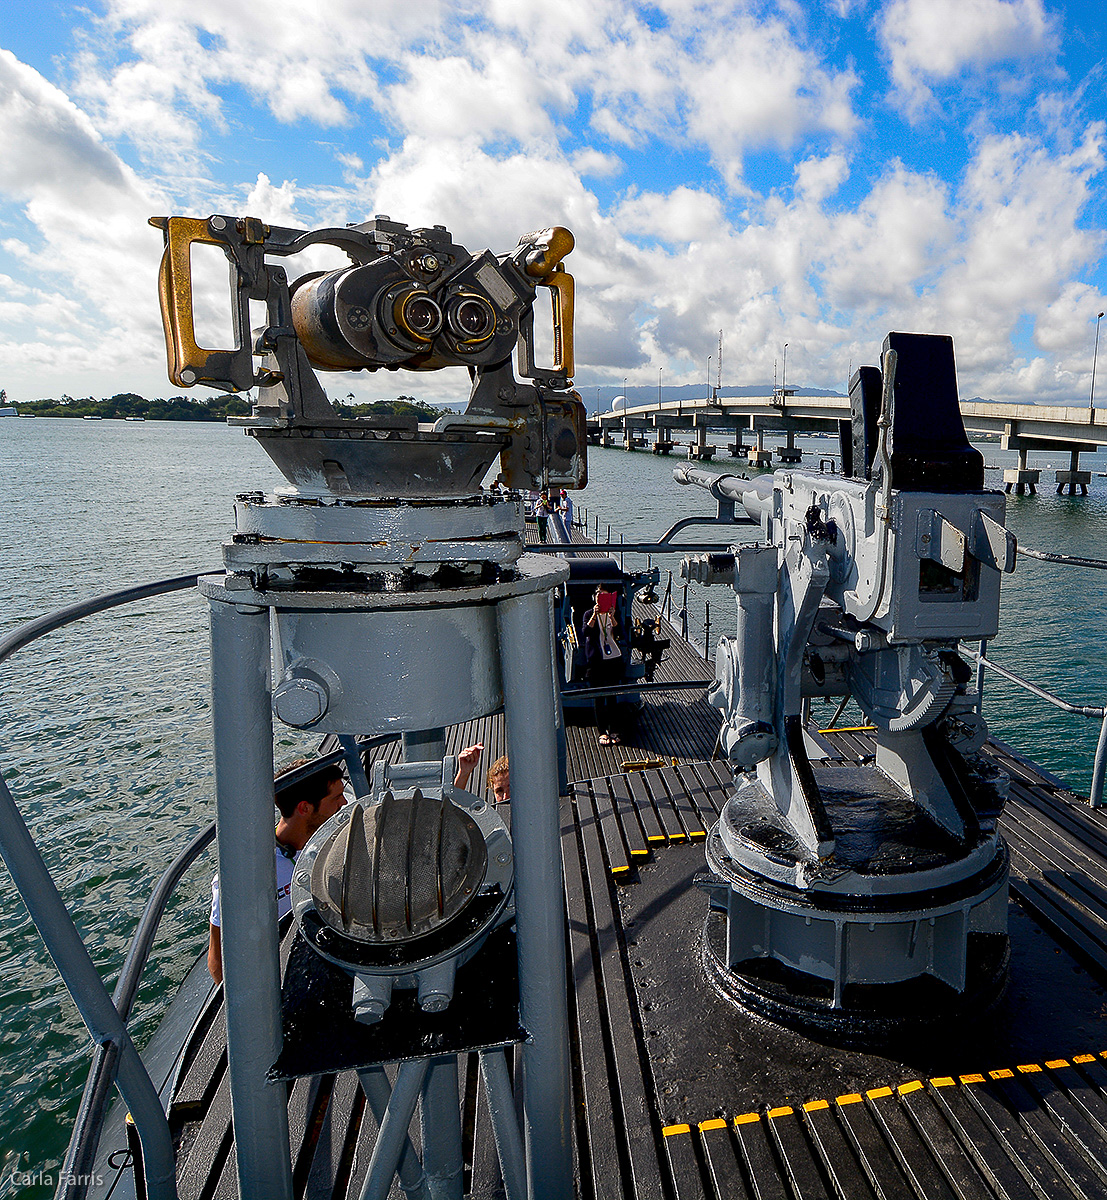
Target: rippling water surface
[{"x": 104, "y": 726}]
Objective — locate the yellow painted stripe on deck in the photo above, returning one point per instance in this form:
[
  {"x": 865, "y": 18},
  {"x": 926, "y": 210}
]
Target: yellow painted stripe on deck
[
  {"x": 619, "y": 870},
  {"x": 850, "y": 729},
  {"x": 671, "y": 1130},
  {"x": 697, "y": 835},
  {"x": 639, "y": 853},
  {"x": 656, "y": 837},
  {"x": 904, "y": 1089},
  {"x": 679, "y": 837}
]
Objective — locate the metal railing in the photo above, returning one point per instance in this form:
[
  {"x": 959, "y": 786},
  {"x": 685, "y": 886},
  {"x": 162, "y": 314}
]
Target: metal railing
[
  {"x": 1095, "y": 711},
  {"x": 115, "y": 1060}
]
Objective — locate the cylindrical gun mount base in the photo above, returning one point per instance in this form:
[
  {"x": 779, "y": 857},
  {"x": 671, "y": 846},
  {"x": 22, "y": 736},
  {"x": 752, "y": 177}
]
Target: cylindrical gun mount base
[
  {"x": 875, "y": 1016},
  {"x": 862, "y": 959}
]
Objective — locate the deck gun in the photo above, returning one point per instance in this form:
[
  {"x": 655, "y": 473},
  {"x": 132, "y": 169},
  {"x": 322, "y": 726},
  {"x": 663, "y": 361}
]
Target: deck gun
[{"x": 863, "y": 586}]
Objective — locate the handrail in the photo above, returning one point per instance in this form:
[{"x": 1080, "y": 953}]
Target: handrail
[
  {"x": 117, "y": 1060},
  {"x": 1081, "y": 710},
  {"x": 1068, "y": 560},
  {"x": 85, "y": 1139},
  {"x": 32, "y": 630},
  {"x": 1095, "y": 711}
]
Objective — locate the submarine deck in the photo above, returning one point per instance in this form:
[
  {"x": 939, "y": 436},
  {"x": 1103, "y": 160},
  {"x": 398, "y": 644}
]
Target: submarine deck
[{"x": 677, "y": 1093}]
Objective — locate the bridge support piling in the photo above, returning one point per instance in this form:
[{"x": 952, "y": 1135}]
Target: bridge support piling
[
  {"x": 758, "y": 456},
  {"x": 1021, "y": 477},
  {"x": 1073, "y": 478},
  {"x": 788, "y": 452},
  {"x": 699, "y": 448}
]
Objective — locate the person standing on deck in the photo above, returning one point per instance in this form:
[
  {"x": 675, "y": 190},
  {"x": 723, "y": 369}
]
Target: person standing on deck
[
  {"x": 603, "y": 657},
  {"x": 566, "y": 507},
  {"x": 304, "y": 806},
  {"x": 542, "y": 515}
]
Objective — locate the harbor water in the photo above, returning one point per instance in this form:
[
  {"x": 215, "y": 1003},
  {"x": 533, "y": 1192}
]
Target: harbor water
[{"x": 104, "y": 726}]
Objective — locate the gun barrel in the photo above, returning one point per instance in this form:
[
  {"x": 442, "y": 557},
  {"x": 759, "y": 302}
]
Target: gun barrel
[{"x": 754, "y": 495}]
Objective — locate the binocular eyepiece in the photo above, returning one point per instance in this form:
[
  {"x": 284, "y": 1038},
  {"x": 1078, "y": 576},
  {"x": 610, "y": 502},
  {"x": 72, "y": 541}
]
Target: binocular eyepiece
[{"x": 422, "y": 303}]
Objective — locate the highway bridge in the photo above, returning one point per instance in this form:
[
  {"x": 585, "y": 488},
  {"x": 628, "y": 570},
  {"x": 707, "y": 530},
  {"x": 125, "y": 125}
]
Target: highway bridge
[{"x": 1024, "y": 428}]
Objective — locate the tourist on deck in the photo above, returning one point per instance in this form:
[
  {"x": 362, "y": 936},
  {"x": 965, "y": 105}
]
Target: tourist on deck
[
  {"x": 304, "y": 806},
  {"x": 603, "y": 657},
  {"x": 542, "y": 512},
  {"x": 499, "y": 781},
  {"x": 566, "y": 506}
]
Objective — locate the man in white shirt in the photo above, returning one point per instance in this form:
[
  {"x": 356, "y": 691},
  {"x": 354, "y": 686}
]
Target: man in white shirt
[{"x": 304, "y": 806}]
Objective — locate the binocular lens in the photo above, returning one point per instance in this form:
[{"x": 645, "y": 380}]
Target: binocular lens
[
  {"x": 472, "y": 318},
  {"x": 420, "y": 316}
]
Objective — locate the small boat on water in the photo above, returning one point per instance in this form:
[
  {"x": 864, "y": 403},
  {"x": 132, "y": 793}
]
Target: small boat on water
[
  {"x": 91, "y": 417},
  {"x": 742, "y": 954},
  {"x": 136, "y": 418}
]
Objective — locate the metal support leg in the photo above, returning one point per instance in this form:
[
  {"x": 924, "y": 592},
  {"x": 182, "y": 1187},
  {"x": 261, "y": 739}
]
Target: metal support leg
[
  {"x": 559, "y": 717},
  {"x": 355, "y": 765},
  {"x": 539, "y": 897},
  {"x": 505, "y": 1125},
  {"x": 243, "y": 735},
  {"x": 52, "y": 919},
  {"x": 440, "y": 1124},
  {"x": 378, "y": 1092},
  {"x": 392, "y": 1136}
]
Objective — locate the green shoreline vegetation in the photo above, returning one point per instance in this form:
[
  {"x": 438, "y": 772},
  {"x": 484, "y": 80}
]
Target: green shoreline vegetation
[{"x": 213, "y": 408}]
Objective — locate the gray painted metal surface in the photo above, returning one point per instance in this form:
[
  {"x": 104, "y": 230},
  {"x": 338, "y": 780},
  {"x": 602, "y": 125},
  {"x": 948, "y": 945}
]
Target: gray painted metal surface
[
  {"x": 529, "y": 686},
  {"x": 243, "y": 736}
]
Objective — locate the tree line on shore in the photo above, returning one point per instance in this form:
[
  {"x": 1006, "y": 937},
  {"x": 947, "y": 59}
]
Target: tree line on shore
[{"x": 211, "y": 408}]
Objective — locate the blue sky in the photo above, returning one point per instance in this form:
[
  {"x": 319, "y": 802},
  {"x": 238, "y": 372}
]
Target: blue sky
[{"x": 809, "y": 173}]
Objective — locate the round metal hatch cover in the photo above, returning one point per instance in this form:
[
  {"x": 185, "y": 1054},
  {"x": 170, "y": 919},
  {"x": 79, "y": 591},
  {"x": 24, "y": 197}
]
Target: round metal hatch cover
[{"x": 398, "y": 870}]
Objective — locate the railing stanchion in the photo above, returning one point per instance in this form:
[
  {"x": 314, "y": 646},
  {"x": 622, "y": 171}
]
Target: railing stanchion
[
  {"x": 980, "y": 675},
  {"x": 1095, "y": 796}
]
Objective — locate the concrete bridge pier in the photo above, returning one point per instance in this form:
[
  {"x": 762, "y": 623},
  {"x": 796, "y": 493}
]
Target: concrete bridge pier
[
  {"x": 1073, "y": 478},
  {"x": 699, "y": 448},
  {"x": 758, "y": 456},
  {"x": 1021, "y": 477},
  {"x": 788, "y": 452},
  {"x": 662, "y": 444}
]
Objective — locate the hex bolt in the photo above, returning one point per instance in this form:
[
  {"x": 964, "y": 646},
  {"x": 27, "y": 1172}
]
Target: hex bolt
[{"x": 300, "y": 702}]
